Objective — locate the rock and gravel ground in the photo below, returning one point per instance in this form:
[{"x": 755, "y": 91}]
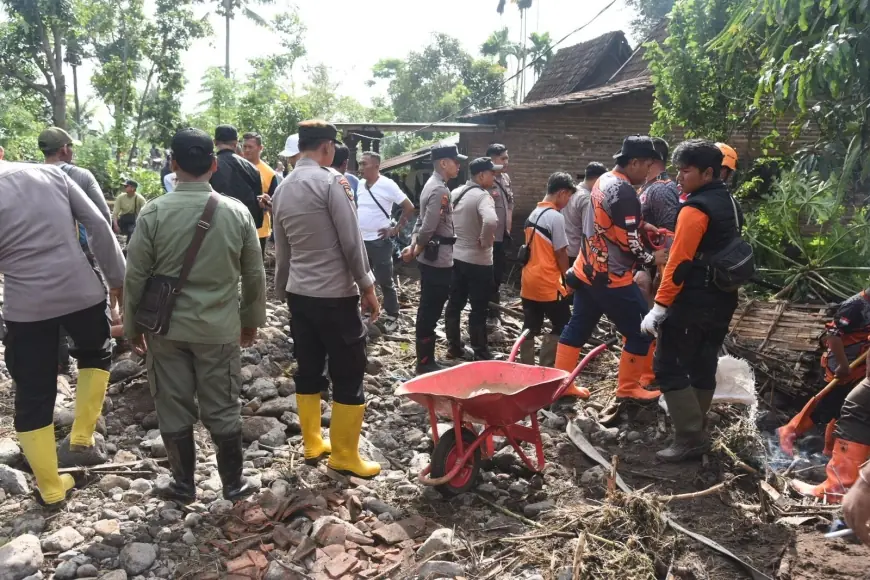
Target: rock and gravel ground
[{"x": 310, "y": 523}]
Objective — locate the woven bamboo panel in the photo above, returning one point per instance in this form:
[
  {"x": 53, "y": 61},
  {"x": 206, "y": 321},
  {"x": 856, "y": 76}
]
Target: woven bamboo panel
[{"x": 781, "y": 341}]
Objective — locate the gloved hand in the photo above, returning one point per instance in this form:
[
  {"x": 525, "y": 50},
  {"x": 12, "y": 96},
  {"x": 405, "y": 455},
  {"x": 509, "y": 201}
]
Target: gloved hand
[{"x": 653, "y": 319}]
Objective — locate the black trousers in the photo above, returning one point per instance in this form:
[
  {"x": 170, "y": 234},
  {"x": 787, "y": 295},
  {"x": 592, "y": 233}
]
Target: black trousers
[
  {"x": 687, "y": 354},
  {"x": 831, "y": 406},
  {"x": 32, "y": 355},
  {"x": 854, "y": 423},
  {"x": 329, "y": 326},
  {"x": 471, "y": 283},
  {"x": 499, "y": 263},
  {"x": 434, "y": 292},
  {"x": 558, "y": 312}
]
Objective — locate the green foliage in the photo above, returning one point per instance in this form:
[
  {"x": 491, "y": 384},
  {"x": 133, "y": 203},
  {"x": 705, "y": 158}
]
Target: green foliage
[
  {"x": 440, "y": 81},
  {"x": 814, "y": 68},
  {"x": 806, "y": 238},
  {"x": 648, "y": 15},
  {"x": 22, "y": 117},
  {"x": 148, "y": 180},
  {"x": 499, "y": 46},
  {"x": 97, "y": 156},
  {"x": 697, "y": 89},
  {"x": 221, "y": 99},
  {"x": 540, "y": 51},
  {"x": 32, "y": 48}
]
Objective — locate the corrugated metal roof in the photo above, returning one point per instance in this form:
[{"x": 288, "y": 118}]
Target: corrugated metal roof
[{"x": 416, "y": 155}]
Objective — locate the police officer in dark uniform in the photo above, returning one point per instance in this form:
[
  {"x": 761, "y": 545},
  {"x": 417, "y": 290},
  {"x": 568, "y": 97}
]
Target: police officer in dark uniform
[
  {"x": 432, "y": 245},
  {"x": 321, "y": 263}
]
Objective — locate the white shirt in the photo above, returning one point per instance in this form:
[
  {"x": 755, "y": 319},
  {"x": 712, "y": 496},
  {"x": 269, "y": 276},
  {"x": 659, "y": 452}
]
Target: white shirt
[
  {"x": 169, "y": 182},
  {"x": 371, "y": 218}
]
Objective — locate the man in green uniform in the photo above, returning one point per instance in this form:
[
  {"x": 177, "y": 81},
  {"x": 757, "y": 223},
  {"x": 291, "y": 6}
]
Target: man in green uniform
[
  {"x": 127, "y": 208},
  {"x": 198, "y": 359}
]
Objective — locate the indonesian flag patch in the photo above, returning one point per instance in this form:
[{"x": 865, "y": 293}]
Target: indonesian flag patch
[
  {"x": 630, "y": 220},
  {"x": 844, "y": 321}
]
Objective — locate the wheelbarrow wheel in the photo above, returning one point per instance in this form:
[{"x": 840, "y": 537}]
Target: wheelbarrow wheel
[{"x": 444, "y": 458}]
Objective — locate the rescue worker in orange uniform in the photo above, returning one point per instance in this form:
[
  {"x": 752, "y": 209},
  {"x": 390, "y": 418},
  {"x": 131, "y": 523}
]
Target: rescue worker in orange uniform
[
  {"x": 845, "y": 340},
  {"x": 851, "y": 448},
  {"x": 847, "y": 438},
  {"x": 729, "y": 162},
  {"x": 603, "y": 274},
  {"x": 543, "y": 290},
  {"x": 729, "y": 166},
  {"x": 691, "y": 313}
]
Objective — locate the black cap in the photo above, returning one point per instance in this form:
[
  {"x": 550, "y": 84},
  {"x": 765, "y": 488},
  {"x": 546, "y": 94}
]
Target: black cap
[
  {"x": 192, "y": 148},
  {"x": 226, "y": 134},
  {"x": 638, "y": 147},
  {"x": 482, "y": 164},
  {"x": 594, "y": 169},
  {"x": 315, "y": 132},
  {"x": 447, "y": 152},
  {"x": 559, "y": 181},
  {"x": 132, "y": 183}
]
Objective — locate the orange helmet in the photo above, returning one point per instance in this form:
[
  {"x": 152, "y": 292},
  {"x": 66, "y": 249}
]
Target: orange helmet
[{"x": 729, "y": 156}]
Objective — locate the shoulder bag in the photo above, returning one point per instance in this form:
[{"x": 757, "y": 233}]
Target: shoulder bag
[
  {"x": 158, "y": 298},
  {"x": 524, "y": 254}
]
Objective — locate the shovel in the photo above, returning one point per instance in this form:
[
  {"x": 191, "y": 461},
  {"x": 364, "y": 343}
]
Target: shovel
[{"x": 814, "y": 402}]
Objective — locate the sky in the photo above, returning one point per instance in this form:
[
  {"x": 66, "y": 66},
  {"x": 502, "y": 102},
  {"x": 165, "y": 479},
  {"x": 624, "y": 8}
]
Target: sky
[{"x": 350, "y": 36}]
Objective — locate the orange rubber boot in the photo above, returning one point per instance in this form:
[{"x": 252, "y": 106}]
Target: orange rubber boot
[
  {"x": 842, "y": 471},
  {"x": 829, "y": 438},
  {"x": 566, "y": 359},
  {"x": 631, "y": 368},
  {"x": 648, "y": 377},
  {"x": 788, "y": 433}
]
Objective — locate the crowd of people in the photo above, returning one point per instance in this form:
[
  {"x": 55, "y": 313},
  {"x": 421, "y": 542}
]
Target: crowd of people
[{"x": 627, "y": 243}]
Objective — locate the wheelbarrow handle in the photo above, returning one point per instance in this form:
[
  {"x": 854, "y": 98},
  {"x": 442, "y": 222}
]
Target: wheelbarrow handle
[
  {"x": 517, "y": 345},
  {"x": 569, "y": 380}
]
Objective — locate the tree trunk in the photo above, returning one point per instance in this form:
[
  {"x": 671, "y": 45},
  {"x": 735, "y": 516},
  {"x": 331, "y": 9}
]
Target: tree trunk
[
  {"x": 227, "y": 67},
  {"x": 78, "y": 106},
  {"x": 58, "y": 104},
  {"x": 139, "y": 112}
]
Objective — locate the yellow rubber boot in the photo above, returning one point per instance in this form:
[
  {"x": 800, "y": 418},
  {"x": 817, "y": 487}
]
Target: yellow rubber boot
[
  {"x": 90, "y": 393},
  {"x": 566, "y": 360},
  {"x": 39, "y": 449},
  {"x": 344, "y": 432},
  {"x": 309, "y": 416}
]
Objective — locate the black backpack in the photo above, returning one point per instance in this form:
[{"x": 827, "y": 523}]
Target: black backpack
[{"x": 734, "y": 265}]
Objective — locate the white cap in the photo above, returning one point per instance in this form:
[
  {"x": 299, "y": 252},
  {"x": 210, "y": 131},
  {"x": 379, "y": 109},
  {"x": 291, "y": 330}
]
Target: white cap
[{"x": 291, "y": 146}]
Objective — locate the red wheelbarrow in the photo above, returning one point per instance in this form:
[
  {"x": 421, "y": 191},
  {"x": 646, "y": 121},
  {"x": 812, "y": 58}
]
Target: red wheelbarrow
[{"x": 494, "y": 394}]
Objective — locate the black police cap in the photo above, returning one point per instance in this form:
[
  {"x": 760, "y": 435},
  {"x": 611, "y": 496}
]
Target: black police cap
[
  {"x": 447, "y": 152},
  {"x": 482, "y": 164}
]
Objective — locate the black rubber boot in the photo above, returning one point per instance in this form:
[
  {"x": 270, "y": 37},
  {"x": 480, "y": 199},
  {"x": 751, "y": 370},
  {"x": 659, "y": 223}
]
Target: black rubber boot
[
  {"x": 456, "y": 348},
  {"x": 229, "y": 460},
  {"x": 690, "y": 439},
  {"x": 426, "y": 362},
  {"x": 479, "y": 343},
  {"x": 181, "y": 452}
]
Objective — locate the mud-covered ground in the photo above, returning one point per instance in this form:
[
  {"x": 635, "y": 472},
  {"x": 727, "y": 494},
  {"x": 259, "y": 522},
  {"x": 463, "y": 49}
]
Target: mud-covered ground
[{"x": 308, "y": 522}]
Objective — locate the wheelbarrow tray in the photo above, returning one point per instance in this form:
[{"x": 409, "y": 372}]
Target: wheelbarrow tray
[{"x": 491, "y": 392}]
